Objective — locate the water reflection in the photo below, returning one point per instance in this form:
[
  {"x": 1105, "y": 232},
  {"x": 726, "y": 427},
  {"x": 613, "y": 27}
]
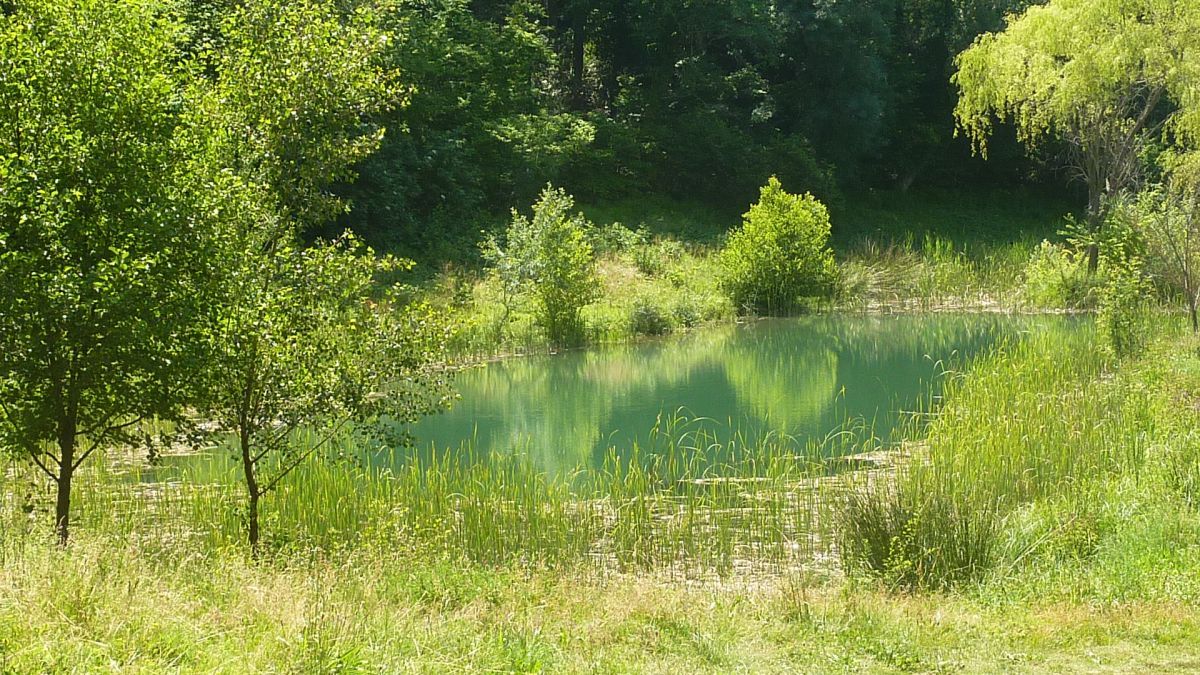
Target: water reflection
[{"x": 801, "y": 377}]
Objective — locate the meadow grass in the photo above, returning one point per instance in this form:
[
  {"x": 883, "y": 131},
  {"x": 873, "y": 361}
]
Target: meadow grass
[
  {"x": 112, "y": 606},
  {"x": 1042, "y": 517}
]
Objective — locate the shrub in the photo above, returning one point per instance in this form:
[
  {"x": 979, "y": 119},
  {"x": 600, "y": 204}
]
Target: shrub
[
  {"x": 687, "y": 314},
  {"x": 655, "y": 259},
  {"x": 550, "y": 257},
  {"x": 1121, "y": 319},
  {"x": 615, "y": 239},
  {"x": 1056, "y": 277},
  {"x": 647, "y": 318},
  {"x": 780, "y": 254}
]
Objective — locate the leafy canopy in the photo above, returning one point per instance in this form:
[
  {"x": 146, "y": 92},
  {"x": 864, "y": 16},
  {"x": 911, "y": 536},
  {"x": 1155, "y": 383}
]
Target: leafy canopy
[
  {"x": 781, "y": 252},
  {"x": 103, "y": 226},
  {"x": 1073, "y": 68},
  {"x": 110, "y": 223}
]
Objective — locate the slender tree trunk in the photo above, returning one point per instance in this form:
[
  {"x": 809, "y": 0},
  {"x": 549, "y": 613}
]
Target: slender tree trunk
[
  {"x": 66, "y": 471},
  {"x": 1095, "y": 220},
  {"x": 252, "y": 491},
  {"x": 1193, "y": 301},
  {"x": 578, "y": 43}
]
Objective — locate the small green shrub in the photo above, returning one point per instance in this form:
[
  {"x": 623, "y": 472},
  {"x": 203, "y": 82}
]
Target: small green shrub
[
  {"x": 687, "y": 314},
  {"x": 780, "y": 254},
  {"x": 616, "y": 239},
  {"x": 1121, "y": 317},
  {"x": 657, "y": 258},
  {"x": 1057, "y": 277},
  {"x": 550, "y": 257},
  {"x": 648, "y": 318}
]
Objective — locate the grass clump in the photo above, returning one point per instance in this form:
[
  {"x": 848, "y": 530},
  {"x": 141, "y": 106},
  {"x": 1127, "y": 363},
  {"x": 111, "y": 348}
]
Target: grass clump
[{"x": 1024, "y": 460}]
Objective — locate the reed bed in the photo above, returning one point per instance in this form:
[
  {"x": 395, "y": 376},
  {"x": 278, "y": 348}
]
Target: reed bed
[
  {"x": 693, "y": 500},
  {"x": 1044, "y": 424}
]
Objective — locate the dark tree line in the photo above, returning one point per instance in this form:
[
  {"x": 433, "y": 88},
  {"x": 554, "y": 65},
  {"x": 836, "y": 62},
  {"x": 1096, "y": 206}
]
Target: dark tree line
[{"x": 697, "y": 99}]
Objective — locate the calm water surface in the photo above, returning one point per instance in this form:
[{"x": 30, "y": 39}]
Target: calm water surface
[{"x": 802, "y": 377}]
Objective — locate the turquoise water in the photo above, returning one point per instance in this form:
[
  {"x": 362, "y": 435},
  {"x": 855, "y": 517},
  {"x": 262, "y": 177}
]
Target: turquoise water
[{"x": 803, "y": 378}]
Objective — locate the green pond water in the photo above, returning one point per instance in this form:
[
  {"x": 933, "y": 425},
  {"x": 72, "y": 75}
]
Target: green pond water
[
  {"x": 802, "y": 378},
  {"x": 798, "y": 380}
]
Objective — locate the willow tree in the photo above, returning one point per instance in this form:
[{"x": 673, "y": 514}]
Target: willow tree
[{"x": 1103, "y": 76}]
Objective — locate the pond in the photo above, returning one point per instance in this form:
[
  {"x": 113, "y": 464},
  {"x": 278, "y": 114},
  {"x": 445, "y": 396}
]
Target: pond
[{"x": 802, "y": 378}]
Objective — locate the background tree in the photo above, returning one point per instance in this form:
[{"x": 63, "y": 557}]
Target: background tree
[
  {"x": 1101, "y": 75},
  {"x": 105, "y": 246}
]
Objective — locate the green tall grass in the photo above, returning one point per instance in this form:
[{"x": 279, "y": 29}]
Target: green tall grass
[
  {"x": 693, "y": 500},
  {"x": 1045, "y": 420}
]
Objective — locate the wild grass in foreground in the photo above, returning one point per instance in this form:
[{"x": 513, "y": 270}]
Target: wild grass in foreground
[
  {"x": 112, "y": 606},
  {"x": 1046, "y": 521}
]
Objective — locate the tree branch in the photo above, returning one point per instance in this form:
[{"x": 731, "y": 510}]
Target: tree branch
[{"x": 305, "y": 455}]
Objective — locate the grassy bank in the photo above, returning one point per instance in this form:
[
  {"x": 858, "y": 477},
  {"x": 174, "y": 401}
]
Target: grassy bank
[
  {"x": 659, "y": 269},
  {"x": 1045, "y": 520},
  {"x": 108, "y": 607}
]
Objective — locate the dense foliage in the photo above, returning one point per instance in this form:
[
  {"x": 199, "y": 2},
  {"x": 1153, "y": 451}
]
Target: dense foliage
[
  {"x": 152, "y": 192},
  {"x": 701, "y": 101},
  {"x": 548, "y": 257},
  {"x": 105, "y": 230},
  {"x": 780, "y": 254},
  {"x": 1104, "y": 76}
]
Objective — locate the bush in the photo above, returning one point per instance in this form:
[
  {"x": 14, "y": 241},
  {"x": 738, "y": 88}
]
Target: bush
[
  {"x": 647, "y": 318},
  {"x": 551, "y": 258},
  {"x": 655, "y": 259},
  {"x": 1057, "y": 277},
  {"x": 1121, "y": 319},
  {"x": 615, "y": 239},
  {"x": 780, "y": 254}
]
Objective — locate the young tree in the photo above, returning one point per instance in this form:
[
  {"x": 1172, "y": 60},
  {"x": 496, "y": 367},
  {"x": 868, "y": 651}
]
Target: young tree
[
  {"x": 105, "y": 246},
  {"x": 549, "y": 255},
  {"x": 301, "y": 342},
  {"x": 1101, "y": 75},
  {"x": 303, "y": 345},
  {"x": 781, "y": 252},
  {"x": 295, "y": 87}
]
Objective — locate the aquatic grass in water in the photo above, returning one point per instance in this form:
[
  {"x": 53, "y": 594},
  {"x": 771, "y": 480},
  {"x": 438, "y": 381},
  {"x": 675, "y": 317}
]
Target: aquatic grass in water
[{"x": 685, "y": 503}]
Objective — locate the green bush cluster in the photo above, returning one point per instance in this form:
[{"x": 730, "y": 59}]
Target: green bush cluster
[
  {"x": 780, "y": 254},
  {"x": 550, "y": 259},
  {"x": 1056, "y": 276},
  {"x": 648, "y": 318}
]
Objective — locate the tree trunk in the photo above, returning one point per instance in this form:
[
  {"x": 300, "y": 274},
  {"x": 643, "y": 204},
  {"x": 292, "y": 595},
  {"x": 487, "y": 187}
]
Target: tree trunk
[
  {"x": 66, "y": 471},
  {"x": 578, "y": 43},
  {"x": 1095, "y": 220},
  {"x": 252, "y": 491},
  {"x": 1193, "y": 310}
]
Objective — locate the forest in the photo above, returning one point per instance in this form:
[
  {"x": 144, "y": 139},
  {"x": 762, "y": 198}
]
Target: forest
[{"x": 599, "y": 336}]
